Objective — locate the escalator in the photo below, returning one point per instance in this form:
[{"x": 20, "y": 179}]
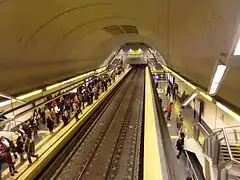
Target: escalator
[{"x": 194, "y": 166}]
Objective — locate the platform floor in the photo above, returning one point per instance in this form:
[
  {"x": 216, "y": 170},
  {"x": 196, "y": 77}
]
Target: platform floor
[
  {"x": 44, "y": 138},
  {"x": 172, "y": 126}
]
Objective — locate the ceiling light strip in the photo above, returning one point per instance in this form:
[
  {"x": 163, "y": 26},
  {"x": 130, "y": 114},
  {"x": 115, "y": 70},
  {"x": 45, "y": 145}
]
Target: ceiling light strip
[
  {"x": 217, "y": 78},
  {"x": 206, "y": 96},
  {"x": 29, "y": 94},
  {"x": 10, "y": 98},
  {"x": 7, "y": 102}
]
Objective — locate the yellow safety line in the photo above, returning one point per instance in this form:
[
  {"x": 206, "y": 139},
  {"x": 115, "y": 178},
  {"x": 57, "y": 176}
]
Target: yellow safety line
[
  {"x": 152, "y": 166},
  {"x": 174, "y": 137}
]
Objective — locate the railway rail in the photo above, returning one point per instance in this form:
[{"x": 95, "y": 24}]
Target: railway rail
[{"x": 109, "y": 147}]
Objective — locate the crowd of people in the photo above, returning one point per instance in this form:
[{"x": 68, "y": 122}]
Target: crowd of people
[{"x": 62, "y": 108}]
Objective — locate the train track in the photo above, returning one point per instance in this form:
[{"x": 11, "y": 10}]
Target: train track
[{"x": 110, "y": 147}]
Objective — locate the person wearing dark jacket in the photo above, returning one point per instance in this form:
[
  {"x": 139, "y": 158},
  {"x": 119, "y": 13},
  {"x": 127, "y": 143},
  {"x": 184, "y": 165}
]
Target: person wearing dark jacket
[
  {"x": 168, "y": 93},
  {"x": 180, "y": 144},
  {"x": 19, "y": 148},
  {"x": 27, "y": 130},
  {"x": 30, "y": 149},
  {"x": 65, "y": 117}
]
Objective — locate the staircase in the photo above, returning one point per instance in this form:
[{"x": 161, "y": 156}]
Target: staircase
[
  {"x": 223, "y": 147},
  {"x": 224, "y": 153}
]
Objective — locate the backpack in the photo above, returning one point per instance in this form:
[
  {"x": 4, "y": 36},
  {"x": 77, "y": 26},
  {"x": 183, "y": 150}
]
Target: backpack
[{"x": 179, "y": 143}]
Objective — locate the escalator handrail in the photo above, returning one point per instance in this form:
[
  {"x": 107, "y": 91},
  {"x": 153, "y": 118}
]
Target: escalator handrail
[{"x": 227, "y": 143}]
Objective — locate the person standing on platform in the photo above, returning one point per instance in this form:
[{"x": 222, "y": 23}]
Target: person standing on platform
[
  {"x": 175, "y": 91},
  {"x": 6, "y": 157},
  {"x": 96, "y": 93},
  {"x": 179, "y": 121},
  {"x": 169, "y": 111},
  {"x": 30, "y": 150},
  {"x": 76, "y": 111},
  {"x": 81, "y": 102},
  {"x": 34, "y": 126},
  {"x": 168, "y": 94},
  {"x": 20, "y": 145},
  {"x": 91, "y": 95},
  {"x": 65, "y": 117},
  {"x": 27, "y": 130},
  {"x": 10, "y": 145},
  {"x": 180, "y": 144},
  {"x": 50, "y": 123}
]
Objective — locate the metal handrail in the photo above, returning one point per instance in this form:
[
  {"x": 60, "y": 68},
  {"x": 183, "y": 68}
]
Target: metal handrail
[
  {"x": 236, "y": 161},
  {"x": 229, "y": 146},
  {"x": 227, "y": 143},
  {"x": 203, "y": 128}
]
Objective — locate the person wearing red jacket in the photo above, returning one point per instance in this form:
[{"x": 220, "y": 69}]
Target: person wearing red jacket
[{"x": 169, "y": 110}]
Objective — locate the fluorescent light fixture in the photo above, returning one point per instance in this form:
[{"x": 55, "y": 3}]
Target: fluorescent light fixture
[
  {"x": 237, "y": 49},
  {"x": 7, "y": 102},
  {"x": 53, "y": 86},
  {"x": 206, "y": 96},
  {"x": 190, "y": 98},
  {"x": 228, "y": 111},
  {"x": 10, "y": 98},
  {"x": 217, "y": 78},
  {"x": 80, "y": 76},
  {"x": 29, "y": 94},
  {"x": 100, "y": 70}
]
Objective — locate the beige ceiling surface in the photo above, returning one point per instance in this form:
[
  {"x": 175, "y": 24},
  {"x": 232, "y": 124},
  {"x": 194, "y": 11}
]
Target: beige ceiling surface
[{"x": 45, "y": 41}]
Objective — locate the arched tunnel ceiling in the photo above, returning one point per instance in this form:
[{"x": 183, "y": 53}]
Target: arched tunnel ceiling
[{"x": 45, "y": 41}]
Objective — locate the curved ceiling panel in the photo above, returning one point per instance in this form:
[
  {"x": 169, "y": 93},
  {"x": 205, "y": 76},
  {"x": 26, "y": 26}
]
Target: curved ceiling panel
[{"x": 44, "y": 41}]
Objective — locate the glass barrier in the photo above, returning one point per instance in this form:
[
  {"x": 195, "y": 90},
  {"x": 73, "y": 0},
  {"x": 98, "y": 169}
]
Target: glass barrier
[{"x": 200, "y": 133}]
